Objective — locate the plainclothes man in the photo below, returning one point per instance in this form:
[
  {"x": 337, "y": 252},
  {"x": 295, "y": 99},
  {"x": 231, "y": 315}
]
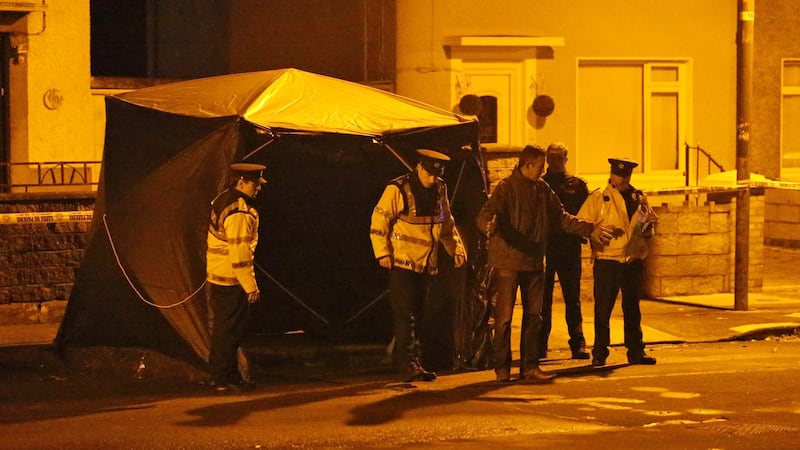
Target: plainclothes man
[
  {"x": 232, "y": 240},
  {"x": 518, "y": 218},
  {"x": 409, "y": 222},
  {"x": 619, "y": 264},
  {"x": 564, "y": 255}
]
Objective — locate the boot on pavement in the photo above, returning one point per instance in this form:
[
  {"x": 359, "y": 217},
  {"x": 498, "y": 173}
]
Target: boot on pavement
[
  {"x": 536, "y": 375},
  {"x": 641, "y": 358},
  {"x": 415, "y": 372}
]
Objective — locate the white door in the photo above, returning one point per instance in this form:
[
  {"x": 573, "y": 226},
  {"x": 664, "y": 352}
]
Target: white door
[{"x": 502, "y": 118}]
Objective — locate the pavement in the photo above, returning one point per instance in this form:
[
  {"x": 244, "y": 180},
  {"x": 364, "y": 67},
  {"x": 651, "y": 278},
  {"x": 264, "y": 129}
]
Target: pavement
[{"x": 774, "y": 310}]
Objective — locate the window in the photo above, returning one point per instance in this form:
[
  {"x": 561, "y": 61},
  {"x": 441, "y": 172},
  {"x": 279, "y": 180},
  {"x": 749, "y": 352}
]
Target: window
[
  {"x": 790, "y": 117},
  {"x": 119, "y": 38},
  {"x": 634, "y": 109}
]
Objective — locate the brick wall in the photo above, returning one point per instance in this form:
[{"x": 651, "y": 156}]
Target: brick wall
[
  {"x": 782, "y": 217},
  {"x": 42, "y": 239}
]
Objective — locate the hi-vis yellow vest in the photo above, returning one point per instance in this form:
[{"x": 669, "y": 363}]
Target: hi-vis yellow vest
[
  {"x": 232, "y": 239},
  {"x": 411, "y": 239}
]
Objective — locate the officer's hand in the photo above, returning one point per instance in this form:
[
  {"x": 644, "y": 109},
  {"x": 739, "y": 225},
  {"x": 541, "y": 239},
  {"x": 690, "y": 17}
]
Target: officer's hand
[
  {"x": 601, "y": 235},
  {"x": 639, "y": 195},
  {"x": 253, "y": 297},
  {"x": 385, "y": 262},
  {"x": 459, "y": 259}
]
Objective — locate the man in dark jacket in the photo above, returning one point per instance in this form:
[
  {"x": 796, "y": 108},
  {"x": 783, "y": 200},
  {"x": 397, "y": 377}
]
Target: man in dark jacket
[
  {"x": 518, "y": 218},
  {"x": 564, "y": 255}
]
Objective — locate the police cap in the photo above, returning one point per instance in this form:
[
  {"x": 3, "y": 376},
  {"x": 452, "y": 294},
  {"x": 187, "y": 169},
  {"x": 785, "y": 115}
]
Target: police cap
[
  {"x": 432, "y": 161},
  {"x": 249, "y": 171},
  {"x": 622, "y": 166}
]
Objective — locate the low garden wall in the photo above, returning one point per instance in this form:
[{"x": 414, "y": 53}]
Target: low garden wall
[
  {"x": 782, "y": 217},
  {"x": 42, "y": 240}
]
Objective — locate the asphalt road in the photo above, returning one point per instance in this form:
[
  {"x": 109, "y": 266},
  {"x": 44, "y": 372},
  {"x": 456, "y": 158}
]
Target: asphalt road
[{"x": 731, "y": 395}]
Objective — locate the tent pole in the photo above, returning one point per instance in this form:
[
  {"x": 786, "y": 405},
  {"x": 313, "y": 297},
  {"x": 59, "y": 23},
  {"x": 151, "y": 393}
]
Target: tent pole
[
  {"x": 458, "y": 182},
  {"x": 258, "y": 149},
  {"x": 397, "y": 155},
  {"x": 476, "y": 149},
  {"x": 361, "y": 311},
  {"x": 292, "y": 295}
]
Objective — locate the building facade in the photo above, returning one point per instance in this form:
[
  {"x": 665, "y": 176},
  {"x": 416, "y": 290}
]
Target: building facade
[
  {"x": 643, "y": 79},
  {"x": 637, "y": 79}
]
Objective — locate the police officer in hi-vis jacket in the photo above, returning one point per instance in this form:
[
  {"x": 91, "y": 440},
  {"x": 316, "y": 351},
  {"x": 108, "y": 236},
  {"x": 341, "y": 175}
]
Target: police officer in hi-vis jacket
[
  {"x": 230, "y": 275},
  {"x": 409, "y": 222},
  {"x": 619, "y": 264}
]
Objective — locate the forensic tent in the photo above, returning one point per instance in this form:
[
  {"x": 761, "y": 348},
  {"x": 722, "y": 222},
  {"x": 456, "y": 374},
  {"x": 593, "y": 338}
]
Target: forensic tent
[{"x": 330, "y": 147}]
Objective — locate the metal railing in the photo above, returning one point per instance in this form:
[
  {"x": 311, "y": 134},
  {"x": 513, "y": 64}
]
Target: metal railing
[
  {"x": 709, "y": 159},
  {"x": 48, "y": 176}
]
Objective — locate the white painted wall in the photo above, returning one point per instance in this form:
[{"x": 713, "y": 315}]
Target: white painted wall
[{"x": 58, "y": 59}]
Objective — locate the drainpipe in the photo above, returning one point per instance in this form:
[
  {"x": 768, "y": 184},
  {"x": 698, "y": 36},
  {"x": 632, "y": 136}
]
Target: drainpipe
[{"x": 744, "y": 92}]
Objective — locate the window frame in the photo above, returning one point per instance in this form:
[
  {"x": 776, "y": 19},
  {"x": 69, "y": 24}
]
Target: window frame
[
  {"x": 680, "y": 87},
  {"x": 787, "y": 91}
]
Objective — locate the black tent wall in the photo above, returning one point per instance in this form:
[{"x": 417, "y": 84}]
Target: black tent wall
[
  {"x": 152, "y": 185},
  {"x": 315, "y": 263}
]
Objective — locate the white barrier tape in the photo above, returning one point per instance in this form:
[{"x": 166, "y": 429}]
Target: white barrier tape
[
  {"x": 691, "y": 190},
  {"x": 45, "y": 217},
  {"x": 729, "y": 188},
  {"x": 776, "y": 184}
]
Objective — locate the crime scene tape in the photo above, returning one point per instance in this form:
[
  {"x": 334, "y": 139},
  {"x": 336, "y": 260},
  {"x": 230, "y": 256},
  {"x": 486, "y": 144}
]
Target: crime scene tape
[{"x": 45, "y": 217}]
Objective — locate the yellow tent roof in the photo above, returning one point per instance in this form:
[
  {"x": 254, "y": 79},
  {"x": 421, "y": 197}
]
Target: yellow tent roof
[{"x": 296, "y": 100}]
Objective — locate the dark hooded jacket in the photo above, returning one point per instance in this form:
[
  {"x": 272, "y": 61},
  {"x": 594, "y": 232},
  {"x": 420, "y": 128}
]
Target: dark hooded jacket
[{"x": 527, "y": 212}]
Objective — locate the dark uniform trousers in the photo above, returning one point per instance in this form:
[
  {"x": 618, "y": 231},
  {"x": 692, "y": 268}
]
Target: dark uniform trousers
[
  {"x": 568, "y": 267},
  {"x": 609, "y": 277},
  {"x": 504, "y": 288},
  {"x": 407, "y": 292},
  {"x": 229, "y": 308}
]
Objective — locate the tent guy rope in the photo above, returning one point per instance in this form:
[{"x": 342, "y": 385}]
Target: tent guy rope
[{"x": 130, "y": 282}]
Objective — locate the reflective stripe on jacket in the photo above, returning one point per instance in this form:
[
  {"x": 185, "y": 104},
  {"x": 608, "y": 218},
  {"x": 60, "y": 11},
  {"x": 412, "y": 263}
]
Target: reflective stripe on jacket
[
  {"x": 399, "y": 230},
  {"x": 232, "y": 239},
  {"x": 608, "y": 206}
]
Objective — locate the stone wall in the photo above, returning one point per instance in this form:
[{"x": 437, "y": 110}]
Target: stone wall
[
  {"x": 42, "y": 240},
  {"x": 499, "y": 165},
  {"x": 690, "y": 252},
  {"x": 782, "y": 217},
  {"x": 693, "y": 250}
]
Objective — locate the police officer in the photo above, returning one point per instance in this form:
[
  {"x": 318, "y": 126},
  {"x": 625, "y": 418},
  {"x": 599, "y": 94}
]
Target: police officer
[
  {"x": 619, "y": 264},
  {"x": 563, "y": 256},
  {"x": 230, "y": 275},
  {"x": 411, "y": 219}
]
